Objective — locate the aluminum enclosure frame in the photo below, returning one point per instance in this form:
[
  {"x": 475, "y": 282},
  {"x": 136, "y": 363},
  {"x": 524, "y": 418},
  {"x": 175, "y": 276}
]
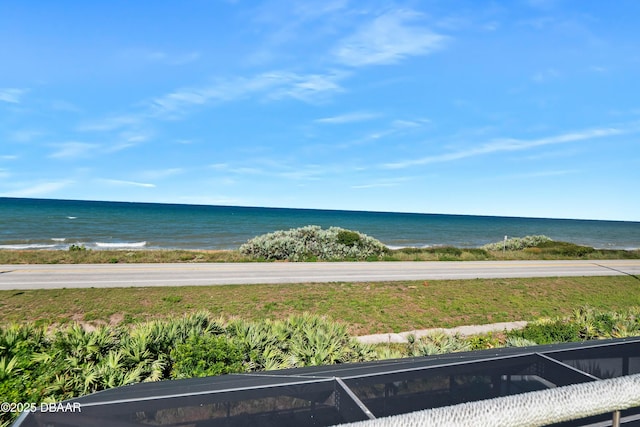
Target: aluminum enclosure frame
[{"x": 343, "y": 393}]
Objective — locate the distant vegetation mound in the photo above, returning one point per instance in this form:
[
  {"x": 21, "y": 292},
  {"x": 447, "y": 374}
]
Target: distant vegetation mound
[
  {"x": 544, "y": 247},
  {"x": 517, "y": 243},
  {"x": 312, "y": 242}
]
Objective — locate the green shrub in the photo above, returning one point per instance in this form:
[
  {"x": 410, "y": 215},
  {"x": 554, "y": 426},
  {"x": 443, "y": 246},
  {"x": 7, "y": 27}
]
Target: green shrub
[
  {"x": 479, "y": 252},
  {"x": 411, "y": 250},
  {"x": 549, "y": 332},
  {"x": 484, "y": 341},
  {"x": 348, "y": 238},
  {"x": 519, "y": 342},
  {"x": 77, "y": 248},
  {"x": 439, "y": 343},
  {"x": 172, "y": 299},
  {"x": 517, "y": 243},
  {"x": 206, "y": 355},
  {"x": 302, "y": 340},
  {"x": 312, "y": 242},
  {"x": 565, "y": 249},
  {"x": 446, "y": 250}
]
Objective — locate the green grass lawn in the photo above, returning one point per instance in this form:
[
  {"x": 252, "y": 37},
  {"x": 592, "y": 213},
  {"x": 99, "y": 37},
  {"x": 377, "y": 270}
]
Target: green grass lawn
[{"x": 367, "y": 308}]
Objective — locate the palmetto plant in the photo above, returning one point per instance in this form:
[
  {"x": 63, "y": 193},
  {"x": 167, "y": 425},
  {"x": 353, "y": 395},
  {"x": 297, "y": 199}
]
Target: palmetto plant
[
  {"x": 384, "y": 353},
  {"x": 317, "y": 341},
  {"x": 37, "y": 365},
  {"x": 519, "y": 342},
  {"x": 22, "y": 337},
  {"x": 439, "y": 343},
  {"x": 85, "y": 345},
  {"x": 112, "y": 371},
  {"x": 8, "y": 366}
]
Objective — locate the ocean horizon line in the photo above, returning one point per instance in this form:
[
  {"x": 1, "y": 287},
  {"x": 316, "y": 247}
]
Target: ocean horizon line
[
  {"x": 98, "y": 223},
  {"x": 364, "y": 211}
]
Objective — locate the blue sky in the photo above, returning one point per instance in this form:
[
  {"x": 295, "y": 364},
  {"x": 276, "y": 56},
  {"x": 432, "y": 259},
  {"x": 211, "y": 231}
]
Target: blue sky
[{"x": 516, "y": 108}]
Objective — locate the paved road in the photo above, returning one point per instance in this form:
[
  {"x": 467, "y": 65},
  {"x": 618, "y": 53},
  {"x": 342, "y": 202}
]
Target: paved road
[{"x": 127, "y": 275}]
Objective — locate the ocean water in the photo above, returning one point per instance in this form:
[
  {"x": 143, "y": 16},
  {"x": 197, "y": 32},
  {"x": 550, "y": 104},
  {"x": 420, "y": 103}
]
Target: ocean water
[{"x": 57, "y": 224}]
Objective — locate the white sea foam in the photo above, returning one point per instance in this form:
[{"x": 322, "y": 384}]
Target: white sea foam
[
  {"x": 396, "y": 247},
  {"x": 112, "y": 245},
  {"x": 27, "y": 246},
  {"x": 72, "y": 217},
  {"x": 58, "y": 239}
]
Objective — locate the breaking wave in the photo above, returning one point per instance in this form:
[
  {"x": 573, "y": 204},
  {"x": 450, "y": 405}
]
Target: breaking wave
[
  {"x": 115, "y": 245},
  {"x": 19, "y": 247}
]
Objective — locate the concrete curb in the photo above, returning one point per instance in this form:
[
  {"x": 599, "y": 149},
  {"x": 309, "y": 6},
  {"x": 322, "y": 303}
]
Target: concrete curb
[{"x": 401, "y": 338}]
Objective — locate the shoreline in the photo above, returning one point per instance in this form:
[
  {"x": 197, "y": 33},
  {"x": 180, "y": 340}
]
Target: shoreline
[
  {"x": 80, "y": 255},
  {"x": 61, "y": 244},
  {"x": 54, "y": 224}
]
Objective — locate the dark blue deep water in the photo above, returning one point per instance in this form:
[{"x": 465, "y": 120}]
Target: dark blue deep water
[{"x": 56, "y": 224}]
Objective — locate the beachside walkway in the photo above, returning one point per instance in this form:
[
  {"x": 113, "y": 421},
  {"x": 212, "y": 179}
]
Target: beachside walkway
[{"x": 401, "y": 337}]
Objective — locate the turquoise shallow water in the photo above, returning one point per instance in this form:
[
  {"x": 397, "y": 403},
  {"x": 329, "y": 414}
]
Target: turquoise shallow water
[{"x": 56, "y": 224}]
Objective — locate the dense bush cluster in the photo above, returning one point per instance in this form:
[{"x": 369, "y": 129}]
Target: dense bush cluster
[
  {"x": 312, "y": 242},
  {"x": 567, "y": 249},
  {"x": 583, "y": 324},
  {"x": 41, "y": 365},
  {"x": 517, "y": 243}
]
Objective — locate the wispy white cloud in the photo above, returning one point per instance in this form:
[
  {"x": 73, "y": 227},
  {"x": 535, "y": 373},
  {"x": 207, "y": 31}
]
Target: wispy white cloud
[
  {"x": 598, "y": 69},
  {"x": 60, "y": 105},
  {"x": 503, "y": 145},
  {"x": 567, "y": 152},
  {"x": 127, "y": 139},
  {"x": 11, "y": 95},
  {"x": 289, "y": 25},
  {"x": 160, "y": 173},
  {"x": 543, "y": 174},
  {"x": 24, "y": 135},
  {"x": 239, "y": 170},
  {"x": 382, "y": 183},
  {"x": 158, "y": 56},
  {"x": 491, "y": 26},
  {"x": 304, "y": 173},
  {"x": 39, "y": 189},
  {"x": 348, "y": 118},
  {"x": 270, "y": 85},
  {"x": 70, "y": 150},
  {"x": 394, "y": 128},
  {"x": 220, "y": 166},
  {"x": 406, "y": 124},
  {"x": 311, "y": 10},
  {"x": 110, "y": 123},
  {"x": 277, "y": 169},
  {"x": 388, "y": 39},
  {"x": 119, "y": 182},
  {"x": 8, "y": 157},
  {"x": 310, "y": 88},
  {"x": 5, "y": 173}
]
